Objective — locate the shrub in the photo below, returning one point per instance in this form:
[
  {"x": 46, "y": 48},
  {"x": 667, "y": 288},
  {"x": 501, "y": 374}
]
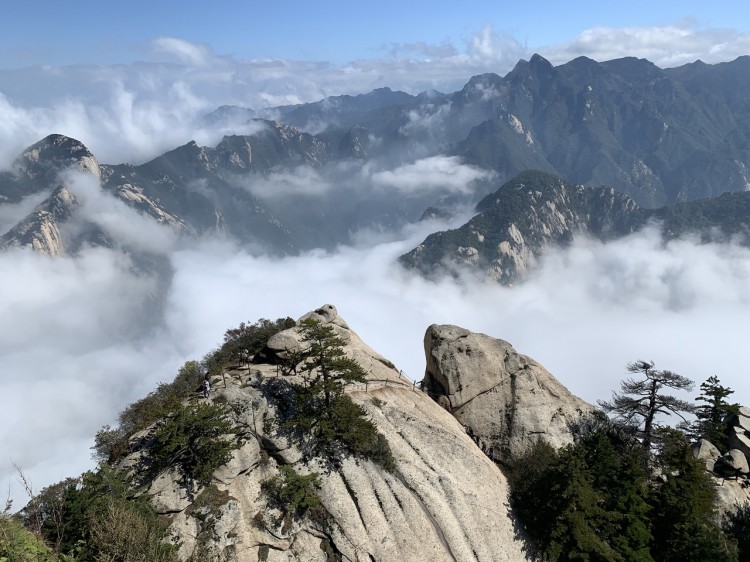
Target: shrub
[
  {"x": 98, "y": 521},
  {"x": 293, "y": 494},
  {"x": 247, "y": 336},
  {"x": 197, "y": 438},
  {"x": 737, "y": 526},
  {"x": 327, "y": 424},
  {"x": 21, "y": 545},
  {"x": 112, "y": 444}
]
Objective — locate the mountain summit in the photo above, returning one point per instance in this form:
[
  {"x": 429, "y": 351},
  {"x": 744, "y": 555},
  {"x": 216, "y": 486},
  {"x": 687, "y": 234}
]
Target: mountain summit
[{"x": 444, "y": 499}]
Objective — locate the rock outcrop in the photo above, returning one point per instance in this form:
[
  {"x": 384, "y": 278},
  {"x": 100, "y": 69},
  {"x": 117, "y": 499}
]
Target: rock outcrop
[
  {"x": 40, "y": 230},
  {"x": 739, "y": 437},
  {"x": 520, "y": 223},
  {"x": 508, "y": 400},
  {"x": 38, "y": 168},
  {"x": 705, "y": 451},
  {"x": 445, "y": 500},
  {"x": 41, "y": 168}
]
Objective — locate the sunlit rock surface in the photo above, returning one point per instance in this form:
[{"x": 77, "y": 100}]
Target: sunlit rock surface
[
  {"x": 445, "y": 501},
  {"x": 507, "y": 399}
]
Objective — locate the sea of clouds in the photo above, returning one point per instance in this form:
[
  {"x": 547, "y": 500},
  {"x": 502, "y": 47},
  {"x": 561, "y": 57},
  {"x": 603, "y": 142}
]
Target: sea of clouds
[{"x": 80, "y": 340}]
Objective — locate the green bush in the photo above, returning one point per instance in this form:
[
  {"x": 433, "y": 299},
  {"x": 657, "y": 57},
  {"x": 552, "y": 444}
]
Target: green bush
[
  {"x": 113, "y": 444},
  {"x": 197, "y": 438},
  {"x": 737, "y": 526},
  {"x": 95, "y": 519},
  {"x": 291, "y": 493},
  {"x": 18, "y": 544},
  {"x": 247, "y": 336}
]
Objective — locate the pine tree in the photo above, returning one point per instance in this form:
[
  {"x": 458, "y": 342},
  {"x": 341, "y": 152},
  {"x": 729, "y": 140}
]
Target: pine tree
[
  {"x": 327, "y": 423},
  {"x": 640, "y": 401},
  {"x": 712, "y": 418},
  {"x": 683, "y": 522},
  {"x": 586, "y": 501},
  {"x": 325, "y": 367}
]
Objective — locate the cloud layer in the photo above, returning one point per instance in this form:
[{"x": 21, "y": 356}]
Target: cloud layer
[{"x": 78, "y": 344}]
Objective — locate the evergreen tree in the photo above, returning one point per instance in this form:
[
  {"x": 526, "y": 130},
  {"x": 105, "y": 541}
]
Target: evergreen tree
[
  {"x": 586, "y": 501},
  {"x": 683, "y": 522},
  {"x": 712, "y": 417},
  {"x": 640, "y": 401},
  {"x": 325, "y": 367},
  {"x": 737, "y": 526},
  {"x": 195, "y": 438},
  {"x": 327, "y": 423}
]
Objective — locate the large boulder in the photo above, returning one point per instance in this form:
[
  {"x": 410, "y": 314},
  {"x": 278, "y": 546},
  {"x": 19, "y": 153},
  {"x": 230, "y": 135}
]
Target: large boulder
[
  {"x": 738, "y": 439},
  {"x": 705, "y": 451},
  {"x": 733, "y": 463},
  {"x": 741, "y": 418},
  {"x": 507, "y": 400}
]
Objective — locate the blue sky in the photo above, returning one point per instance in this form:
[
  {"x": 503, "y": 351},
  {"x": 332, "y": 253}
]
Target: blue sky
[{"x": 62, "y": 33}]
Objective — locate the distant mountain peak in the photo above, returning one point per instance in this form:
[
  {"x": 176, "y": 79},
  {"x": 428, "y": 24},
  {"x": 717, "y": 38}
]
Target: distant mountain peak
[{"x": 539, "y": 61}]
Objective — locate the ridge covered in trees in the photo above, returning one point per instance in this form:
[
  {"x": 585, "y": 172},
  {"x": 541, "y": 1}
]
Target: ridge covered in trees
[{"x": 104, "y": 514}]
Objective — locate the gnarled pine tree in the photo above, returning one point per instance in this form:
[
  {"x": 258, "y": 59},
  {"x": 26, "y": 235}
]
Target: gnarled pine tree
[{"x": 641, "y": 400}]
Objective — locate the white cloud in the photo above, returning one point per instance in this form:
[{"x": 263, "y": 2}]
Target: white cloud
[
  {"x": 665, "y": 46},
  {"x": 11, "y": 213},
  {"x": 131, "y": 113},
  {"x": 184, "y": 51},
  {"x": 302, "y": 180},
  {"x": 436, "y": 173},
  {"x": 122, "y": 223},
  {"x": 78, "y": 343}
]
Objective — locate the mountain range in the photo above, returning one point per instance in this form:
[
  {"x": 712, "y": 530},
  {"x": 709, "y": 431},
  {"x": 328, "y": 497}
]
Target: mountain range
[
  {"x": 313, "y": 175},
  {"x": 536, "y": 212}
]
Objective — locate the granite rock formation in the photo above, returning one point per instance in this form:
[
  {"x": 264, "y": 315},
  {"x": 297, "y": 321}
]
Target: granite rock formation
[
  {"x": 445, "y": 500},
  {"x": 508, "y": 400}
]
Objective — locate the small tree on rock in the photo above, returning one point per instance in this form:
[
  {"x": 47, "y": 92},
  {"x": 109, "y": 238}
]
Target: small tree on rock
[
  {"x": 641, "y": 400},
  {"x": 712, "y": 417},
  {"x": 326, "y": 367},
  {"x": 328, "y": 424}
]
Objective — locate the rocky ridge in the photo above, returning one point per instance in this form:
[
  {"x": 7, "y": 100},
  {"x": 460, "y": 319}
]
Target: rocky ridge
[
  {"x": 507, "y": 402},
  {"x": 730, "y": 472},
  {"x": 659, "y": 136},
  {"x": 537, "y": 212},
  {"x": 525, "y": 219},
  {"x": 42, "y": 167},
  {"x": 445, "y": 500}
]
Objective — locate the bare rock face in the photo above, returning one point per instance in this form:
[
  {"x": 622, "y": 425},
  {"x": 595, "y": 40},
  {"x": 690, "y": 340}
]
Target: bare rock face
[
  {"x": 705, "y": 451},
  {"x": 445, "y": 501},
  {"x": 508, "y": 400},
  {"x": 290, "y": 340},
  {"x": 40, "y": 168},
  {"x": 729, "y": 472},
  {"x": 40, "y": 230},
  {"x": 734, "y": 462},
  {"x": 42, "y": 162},
  {"x": 739, "y": 439}
]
